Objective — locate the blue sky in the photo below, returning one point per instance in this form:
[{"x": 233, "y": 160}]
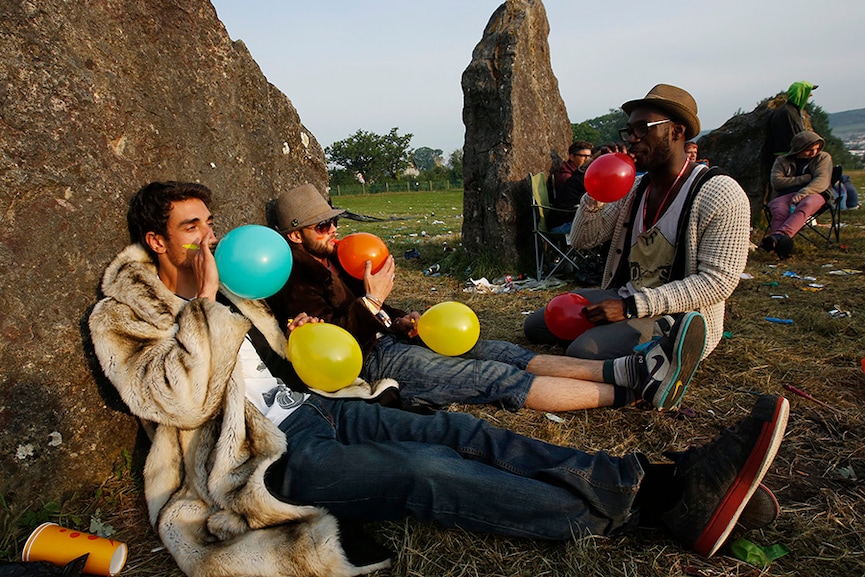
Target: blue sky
[{"x": 377, "y": 64}]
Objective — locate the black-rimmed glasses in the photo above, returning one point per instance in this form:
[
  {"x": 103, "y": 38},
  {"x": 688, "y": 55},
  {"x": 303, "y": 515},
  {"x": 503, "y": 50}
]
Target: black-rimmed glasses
[
  {"x": 325, "y": 225},
  {"x": 640, "y": 129}
]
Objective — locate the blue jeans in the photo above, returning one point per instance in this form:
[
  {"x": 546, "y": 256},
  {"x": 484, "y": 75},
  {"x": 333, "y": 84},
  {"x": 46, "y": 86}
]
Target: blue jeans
[
  {"x": 599, "y": 342},
  {"x": 366, "y": 462},
  {"x": 491, "y": 372}
]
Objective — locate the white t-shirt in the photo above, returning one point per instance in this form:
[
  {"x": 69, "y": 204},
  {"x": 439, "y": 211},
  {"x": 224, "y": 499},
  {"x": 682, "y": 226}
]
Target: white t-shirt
[
  {"x": 653, "y": 250},
  {"x": 268, "y": 393}
]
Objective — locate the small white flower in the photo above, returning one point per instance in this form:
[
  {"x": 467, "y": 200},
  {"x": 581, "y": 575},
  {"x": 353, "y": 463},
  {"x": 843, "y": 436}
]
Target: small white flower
[
  {"x": 24, "y": 451},
  {"x": 56, "y": 439}
]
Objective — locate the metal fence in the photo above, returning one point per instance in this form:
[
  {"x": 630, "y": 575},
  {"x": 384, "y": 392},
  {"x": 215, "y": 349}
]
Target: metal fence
[{"x": 403, "y": 186}]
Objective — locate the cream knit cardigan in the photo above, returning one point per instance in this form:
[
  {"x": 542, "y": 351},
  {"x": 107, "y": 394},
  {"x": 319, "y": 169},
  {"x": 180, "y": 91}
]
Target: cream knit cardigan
[{"x": 715, "y": 240}]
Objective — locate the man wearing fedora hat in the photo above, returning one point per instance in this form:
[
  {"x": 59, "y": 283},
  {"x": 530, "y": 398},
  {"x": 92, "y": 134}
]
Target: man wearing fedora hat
[
  {"x": 492, "y": 371},
  {"x": 679, "y": 238}
]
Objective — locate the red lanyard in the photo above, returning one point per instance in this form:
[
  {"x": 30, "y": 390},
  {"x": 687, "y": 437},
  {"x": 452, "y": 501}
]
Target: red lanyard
[{"x": 646, "y": 225}]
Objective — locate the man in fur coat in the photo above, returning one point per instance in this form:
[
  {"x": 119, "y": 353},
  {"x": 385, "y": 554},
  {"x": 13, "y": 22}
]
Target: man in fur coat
[{"x": 246, "y": 468}]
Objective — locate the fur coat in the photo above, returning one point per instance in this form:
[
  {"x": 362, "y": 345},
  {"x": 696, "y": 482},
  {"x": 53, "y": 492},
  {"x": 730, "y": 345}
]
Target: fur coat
[{"x": 173, "y": 362}]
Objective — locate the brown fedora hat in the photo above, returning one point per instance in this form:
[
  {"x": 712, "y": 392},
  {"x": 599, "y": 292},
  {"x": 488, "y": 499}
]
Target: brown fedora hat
[
  {"x": 302, "y": 206},
  {"x": 673, "y": 100}
]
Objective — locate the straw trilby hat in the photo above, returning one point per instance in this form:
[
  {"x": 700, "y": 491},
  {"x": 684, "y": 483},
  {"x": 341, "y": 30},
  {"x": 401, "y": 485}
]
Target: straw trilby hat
[
  {"x": 673, "y": 100},
  {"x": 302, "y": 206}
]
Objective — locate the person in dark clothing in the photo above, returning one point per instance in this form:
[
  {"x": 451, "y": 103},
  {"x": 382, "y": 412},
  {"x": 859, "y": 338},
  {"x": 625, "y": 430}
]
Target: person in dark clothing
[{"x": 787, "y": 120}]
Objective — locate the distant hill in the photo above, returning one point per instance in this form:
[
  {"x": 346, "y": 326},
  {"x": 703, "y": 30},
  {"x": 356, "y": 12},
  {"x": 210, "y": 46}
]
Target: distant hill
[{"x": 849, "y": 123}]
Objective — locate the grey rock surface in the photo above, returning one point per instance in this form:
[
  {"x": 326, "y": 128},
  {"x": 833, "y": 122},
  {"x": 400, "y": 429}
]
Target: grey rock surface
[
  {"x": 516, "y": 124},
  {"x": 96, "y": 100}
]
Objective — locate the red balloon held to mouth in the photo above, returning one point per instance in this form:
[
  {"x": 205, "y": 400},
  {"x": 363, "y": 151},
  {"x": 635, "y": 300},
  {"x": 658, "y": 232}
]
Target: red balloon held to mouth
[{"x": 610, "y": 177}]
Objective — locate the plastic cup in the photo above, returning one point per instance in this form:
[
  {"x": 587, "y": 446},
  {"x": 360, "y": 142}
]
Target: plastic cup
[{"x": 59, "y": 545}]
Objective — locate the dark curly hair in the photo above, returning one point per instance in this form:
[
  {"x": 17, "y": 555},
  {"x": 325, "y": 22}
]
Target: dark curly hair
[{"x": 149, "y": 208}]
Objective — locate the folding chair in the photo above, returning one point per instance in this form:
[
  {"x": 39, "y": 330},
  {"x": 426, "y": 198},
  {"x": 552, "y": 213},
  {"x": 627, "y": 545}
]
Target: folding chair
[
  {"x": 811, "y": 230},
  {"x": 551, "y": 248}
]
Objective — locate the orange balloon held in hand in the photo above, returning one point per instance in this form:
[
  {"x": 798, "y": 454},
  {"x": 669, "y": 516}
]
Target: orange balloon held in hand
[
  {"x": 610, "y": 176},
  {"x": 355, "y": 249},
  {"x": 565, "y": 318}
]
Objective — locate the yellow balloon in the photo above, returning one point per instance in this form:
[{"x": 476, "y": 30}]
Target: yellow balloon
[
  {"x": 449, "y": 328},
  {"x": 325, "y": 356}
]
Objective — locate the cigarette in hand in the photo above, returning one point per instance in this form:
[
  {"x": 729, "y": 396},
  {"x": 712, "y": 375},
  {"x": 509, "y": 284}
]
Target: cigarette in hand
[{"x": 190, "y": 246}]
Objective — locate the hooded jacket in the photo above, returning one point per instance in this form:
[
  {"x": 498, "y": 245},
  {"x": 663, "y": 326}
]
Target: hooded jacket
[
  {"x": 174, "y": 363},
  {"x": 816, "y": 177},
  {"x": 711, "y": 249}
]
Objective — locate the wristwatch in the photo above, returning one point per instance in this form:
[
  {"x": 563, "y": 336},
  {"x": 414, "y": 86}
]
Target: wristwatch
[{"x": 629, "y": 307}]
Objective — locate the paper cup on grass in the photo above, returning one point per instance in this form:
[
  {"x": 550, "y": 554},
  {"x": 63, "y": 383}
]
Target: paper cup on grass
[{"x": 59, "y": 545}]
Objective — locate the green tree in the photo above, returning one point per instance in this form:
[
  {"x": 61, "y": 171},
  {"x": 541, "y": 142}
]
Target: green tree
[
  {"x": 601, "y": 129},
  {"x": 426, "y": 158},
  {"x": 584, "y": 131},
  {"x": 374, "y": 156},
  {"x": 834, "y": 146},
  {"x": 455, "y": 164}
]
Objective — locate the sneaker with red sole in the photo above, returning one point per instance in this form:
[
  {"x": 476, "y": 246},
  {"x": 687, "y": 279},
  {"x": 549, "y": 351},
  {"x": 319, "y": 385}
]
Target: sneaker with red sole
[{"x": 720, "y": 477}]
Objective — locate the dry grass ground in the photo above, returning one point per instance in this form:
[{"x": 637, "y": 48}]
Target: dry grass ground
[{"x": 816, "y": 475}]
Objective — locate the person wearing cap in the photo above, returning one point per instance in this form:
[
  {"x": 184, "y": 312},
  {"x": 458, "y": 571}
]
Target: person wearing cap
[
  {"x": 492, "y": 371},
  {"x": 679, "y": 238},
  {"x": 801, "y": 184},
  {"x": 787, "y": 120}
]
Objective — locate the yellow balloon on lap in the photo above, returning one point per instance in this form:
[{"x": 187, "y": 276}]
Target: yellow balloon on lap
[
  {"x": 449, "y": 328},
  {"x": 325, "y": 356}
]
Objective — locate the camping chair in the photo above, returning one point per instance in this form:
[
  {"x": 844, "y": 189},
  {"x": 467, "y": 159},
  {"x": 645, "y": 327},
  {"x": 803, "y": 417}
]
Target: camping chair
[
  {"x": 551, "y": 248},
  {"x": 812, "y": 230}
]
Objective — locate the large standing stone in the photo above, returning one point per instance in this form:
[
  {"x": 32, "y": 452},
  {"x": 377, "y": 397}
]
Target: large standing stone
[
  {"x": 97, "y": 99},
  {"x": 516, "y": 123}
]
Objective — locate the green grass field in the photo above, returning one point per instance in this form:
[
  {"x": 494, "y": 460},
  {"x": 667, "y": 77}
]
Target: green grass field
[{"x": 817, "y": 475}]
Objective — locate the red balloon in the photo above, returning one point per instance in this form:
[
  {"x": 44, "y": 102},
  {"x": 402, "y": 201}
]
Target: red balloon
[
  {"x": 354, "y": 250},
  {"x": 610, "y": 177},
  {"x": 564, "y": 316}
]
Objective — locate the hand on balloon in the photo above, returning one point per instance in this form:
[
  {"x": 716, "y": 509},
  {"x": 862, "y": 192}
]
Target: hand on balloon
[
  {"x": 204, "y": 267},
  {"x": 379, "y": 284},
  {"x": 301, "y": 320},
  {"x": 407, "y": 325},
  {"x": 606, "y": 311}
]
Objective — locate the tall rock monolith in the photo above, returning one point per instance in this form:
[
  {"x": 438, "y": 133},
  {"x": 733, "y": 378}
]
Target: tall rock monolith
[
  {"x": 516, "y": 124},
  {"x": 97, "y": 99}
]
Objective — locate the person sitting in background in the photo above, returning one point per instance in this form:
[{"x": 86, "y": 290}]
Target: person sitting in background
[
  {"x": 787, "y": 120},
  {"x": 569, "y": 187},
  {"x": 801, "y": 184},
  {"x": 846, "y": 194},
  {"x": 691, "y": 150}
]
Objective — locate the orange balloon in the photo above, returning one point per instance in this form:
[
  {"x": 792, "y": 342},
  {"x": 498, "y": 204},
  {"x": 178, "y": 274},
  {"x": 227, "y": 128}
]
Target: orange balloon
[{"x": 354, "y": 250}]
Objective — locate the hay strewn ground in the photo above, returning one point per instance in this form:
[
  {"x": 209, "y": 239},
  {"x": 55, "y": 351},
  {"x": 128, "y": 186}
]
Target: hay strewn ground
[{"x": 816, "y": 475}]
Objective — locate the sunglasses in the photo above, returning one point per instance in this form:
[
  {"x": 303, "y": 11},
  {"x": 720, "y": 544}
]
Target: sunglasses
[
  {"x": 325, "y": 225},
  {"x": 639, "y": 130}
]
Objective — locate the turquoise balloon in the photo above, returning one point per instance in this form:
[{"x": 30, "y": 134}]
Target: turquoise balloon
[{"x": 253, "y": 261}]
